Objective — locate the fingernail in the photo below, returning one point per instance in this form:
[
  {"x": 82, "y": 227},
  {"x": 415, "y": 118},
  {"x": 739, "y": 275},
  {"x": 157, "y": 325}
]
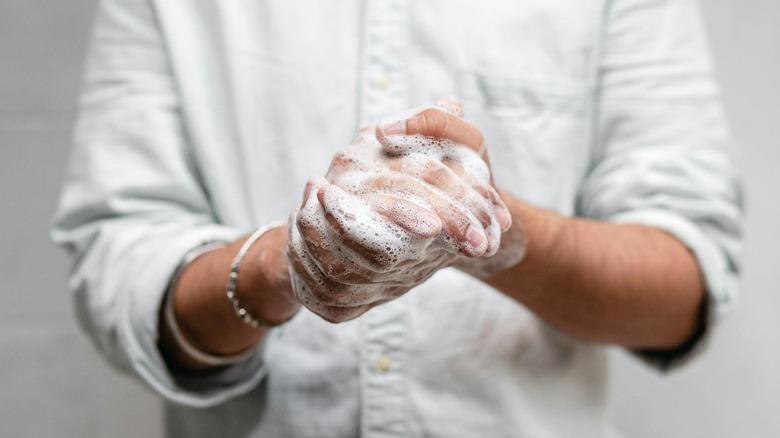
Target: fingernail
[
  {"x": 475, "y": 238},
  {"x": 393, "y": 127}
]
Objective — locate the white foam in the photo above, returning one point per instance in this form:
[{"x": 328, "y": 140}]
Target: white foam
[{"x": 397, "y": 257}]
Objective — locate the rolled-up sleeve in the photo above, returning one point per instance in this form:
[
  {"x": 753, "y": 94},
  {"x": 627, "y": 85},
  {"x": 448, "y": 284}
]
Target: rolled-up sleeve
[
  {"x": 133, "y": 205},
  {"x": 662, "y": 153}
]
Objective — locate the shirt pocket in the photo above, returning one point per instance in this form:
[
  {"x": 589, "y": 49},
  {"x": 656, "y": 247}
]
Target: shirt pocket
[{"x": 537, "y": 133}]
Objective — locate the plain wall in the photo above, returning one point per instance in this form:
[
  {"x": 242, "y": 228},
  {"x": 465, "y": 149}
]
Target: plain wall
[{"x": 54, "y": 384}]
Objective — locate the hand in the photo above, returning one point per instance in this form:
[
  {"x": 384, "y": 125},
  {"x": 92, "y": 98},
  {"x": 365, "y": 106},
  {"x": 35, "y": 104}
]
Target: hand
[
  {"x": 388, "y": 215},
  {"x": 449, "y": 127}
]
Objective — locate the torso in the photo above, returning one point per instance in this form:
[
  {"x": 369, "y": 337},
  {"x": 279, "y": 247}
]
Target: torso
[{"x": 272, "y": 89}]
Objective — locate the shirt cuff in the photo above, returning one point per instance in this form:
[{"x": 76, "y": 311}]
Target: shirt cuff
[
  {"x": 138, "y": 330},
  {"x": 719, "y": 280}
]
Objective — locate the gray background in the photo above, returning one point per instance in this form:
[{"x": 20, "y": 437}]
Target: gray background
[{"x": 52, "y": 383}]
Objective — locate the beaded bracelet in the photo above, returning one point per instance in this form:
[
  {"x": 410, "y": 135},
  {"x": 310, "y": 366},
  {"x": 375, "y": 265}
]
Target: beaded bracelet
[
  {"x": 232, "y": 283},
  {"x": 191, "y": 350}
]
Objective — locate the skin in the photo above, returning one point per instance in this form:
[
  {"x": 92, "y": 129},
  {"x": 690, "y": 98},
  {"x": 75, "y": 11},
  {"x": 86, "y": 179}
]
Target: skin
[
  {"x": 204, "y": 314},
  {"x": 340, "y": 275},
  {"x": 622, "y": 284}
]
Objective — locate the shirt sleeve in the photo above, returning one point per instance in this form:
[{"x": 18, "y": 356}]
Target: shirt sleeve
[
  {"x": 662, "y": 153},
  {"x": 133, "y": 205}
]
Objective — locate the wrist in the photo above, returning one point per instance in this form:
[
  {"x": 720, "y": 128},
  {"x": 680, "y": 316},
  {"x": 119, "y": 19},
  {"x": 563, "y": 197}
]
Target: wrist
[
  {"x": 205, "y": 314},
  {"x": 264, "y": 286},
  {"x": 544, "y": 232}
]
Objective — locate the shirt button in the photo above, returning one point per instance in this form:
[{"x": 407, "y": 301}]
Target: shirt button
[
  {"x": 382, "y": 364},
  {"x": 382, "y": 81}
]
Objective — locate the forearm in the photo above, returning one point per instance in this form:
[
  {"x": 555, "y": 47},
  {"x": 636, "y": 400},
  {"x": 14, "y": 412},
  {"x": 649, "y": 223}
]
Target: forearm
[
  {"x": 629, "y": 285},
  {"x": 205, "y": 315}
]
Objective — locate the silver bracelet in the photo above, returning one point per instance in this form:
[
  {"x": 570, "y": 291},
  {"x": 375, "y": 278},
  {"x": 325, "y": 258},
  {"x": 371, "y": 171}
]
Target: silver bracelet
[
  {"x": 181, "y": 340},
  {"x": 232, "y": 283}
]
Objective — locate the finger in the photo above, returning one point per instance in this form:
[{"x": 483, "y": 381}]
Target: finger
[
  {"x": 306, "y": 287},
  {"x": 312, "y": 284},
  {"x": 432, "y": 122},
  {"x": 307, "y": 192},
  {"x": 349, "y": 159},
  {"x": 361, "y": 229},
  {"x": 451, "y": 176},
  {"x": 337, "y": 266},
  {"x": 329, "y": 312},
  {"x": 462, "y": 231},
  {"x": 339, "y": 314},
  {"x": 312, "y": 226},
  {"x": 304, "y": 265},
  {"x": 487, "y": 191},
  {"x": 466, "y": 165},
  {"x": 443, "y": 178},
  {"x": 330, "y": 300},
  {"x": 313, "y": 294},
  {"x": 336, "y": 315},
  {"x": 326, "y": 252},
  {"x": 413, "y": 218}
]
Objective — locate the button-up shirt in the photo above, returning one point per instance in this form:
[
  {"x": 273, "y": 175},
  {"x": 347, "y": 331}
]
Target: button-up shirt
[{"x": 201, "y": 120}]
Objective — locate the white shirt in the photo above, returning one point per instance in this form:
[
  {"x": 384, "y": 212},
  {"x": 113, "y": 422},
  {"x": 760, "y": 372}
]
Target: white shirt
[{"x": 201, "y": 120}]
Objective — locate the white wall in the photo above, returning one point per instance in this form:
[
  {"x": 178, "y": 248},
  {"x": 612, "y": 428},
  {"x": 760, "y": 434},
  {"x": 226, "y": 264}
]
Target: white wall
[
  {"x": 735, "y": 390},
  {"x": 53, "y": 383}
]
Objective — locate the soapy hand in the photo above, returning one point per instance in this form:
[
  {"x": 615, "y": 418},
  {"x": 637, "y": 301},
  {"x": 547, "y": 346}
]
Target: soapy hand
[
  {"x": 450, "y": 128},
  {"x": 405, "y": 199}
]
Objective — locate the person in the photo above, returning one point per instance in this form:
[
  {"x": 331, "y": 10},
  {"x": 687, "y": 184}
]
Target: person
[{"x": 457, "y": 269}]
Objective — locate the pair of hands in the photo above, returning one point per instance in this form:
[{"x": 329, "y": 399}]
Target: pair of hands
[{"x": 408, "y": 197}]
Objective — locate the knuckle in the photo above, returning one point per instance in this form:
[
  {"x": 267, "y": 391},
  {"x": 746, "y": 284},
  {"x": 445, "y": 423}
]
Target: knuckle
[
  {"x": 458, "y": 223},
  {"x": 436, "y": 177},
  {"x": 343, "y": 159},
  {"x": 337, "y": 162},
  {"x": 434, "y": 122},
  {"x": 434, "y": 172}
]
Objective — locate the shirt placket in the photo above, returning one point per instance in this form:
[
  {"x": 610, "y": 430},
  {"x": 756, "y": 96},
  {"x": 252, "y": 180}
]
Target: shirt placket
[
  {"x": 383, "y": 92},
  {"x": 383, "y": 88}
]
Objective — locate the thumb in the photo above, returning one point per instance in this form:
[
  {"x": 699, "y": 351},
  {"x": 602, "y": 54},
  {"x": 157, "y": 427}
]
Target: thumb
[{"x": 433, "y": 122}]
